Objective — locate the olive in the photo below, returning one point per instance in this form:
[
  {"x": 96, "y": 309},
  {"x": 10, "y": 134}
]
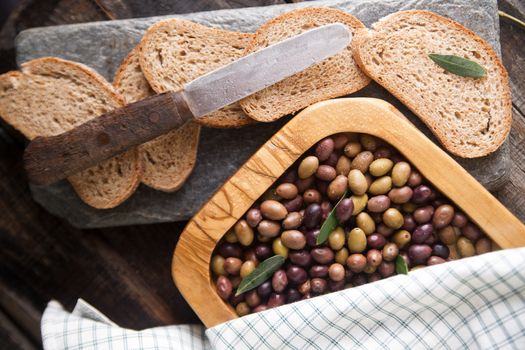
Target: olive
[
  {"x": 419, "y": 253},
  {"x": 311, "y": 237},
  {"x": 362, "y": 161},
  {"x": 326, "y": 173},
  {"x": 230, "y": 249},
  {"x": 356, "y": 262},
  {"x": 356, "y": 240},
  {"x": 265, "y": 289},
  {"x": 292, "y": 220},
  {"x": 293, "y": 239},
  {"x": 279, "y": 280},
  {"x": 296, "y": 274},
  {"x": 381, "y": 185},
  {"x": 263, "y": 251},
  {"x": 409, "y": 207},
  {"x": 337, "y": 187},
  {"x": 318, "y": 285},
  {"x": 369, "y": 142},
  {"x": 335, "y": 286},
  {"x": 232, "y": 265},
  {"x": 312, "y": 215},
  {"x": 352, "y": 149},
  {"x": 304, "y": 288},
  {"x": 483, "y": 246},
  {"x": 323, "y": 255},
  {"x": 386, "y": 269},
  {"x": 434, "y": 260},
  {"x": 260, "y": 308},
  {"x": 443, "y": 216},
  {"x": 393, "y": 218},
  {"x": 318, "y": 271},
  {"x": 304, "y": 184},
  {"x": 344, "y": 210},
  {"x": 332, "y": 159},
  {"x": 300, "y": 257},
  {"x": 294, "y": 204},
  {"x": 365, "y": 223},
  {"x": 217, "y": 265},
  {"x": 252, "y": 298},
  {"x": 359, "y": 280},
  {"x": 374, "y": 257},
  {"x": 400, "y": 173},
  {"x": 384, "y": 230},
  {"x": 471, "y": 232},
  {"x": 400, "y": 195},
  {"x": 421, "y": 194},
  {"x": 341, "y": 256},
  {"x": 311, "y": 196},
  {"x": 402, "y": 238},
  {"x": 357, "y": 182},
  {"x": 336, "y": 239},
  {"x": 440, "y": 250},
  {"x": 380, "y": 167},
  {"x": 269, "y": 228},
  {"x": 374, "y": 277},
  {"x": 287, "y": 191},
  {"x": 242, "y": 309},
  {"x": 369, "y": 269},
  {"x": 454, "y": 254},
  {"x": 423, "y": 215},
  {"x": 336, "y": 272},
  {"x": 326, "y": 208},
  {"x": 343, "y": 165},
  {"x": 465, "y": 247},
  {"x": 279, "y": 248},
  {"x": 390, "y": 251},
  {"x": 360, "y": 203},
  {"x": 414, "y": 179},
  {"x": 383, "y": 152},
  {"x": 375, "y": 241},
  {"x": 246, "y": 268},
  {"x": 447, "y": 235},
  {"x": 273, "y": 210},
  {"x": 409, "y": 223},
  {"x": 224, "y": 287},
  {"x": 378, "y": 204},
  {"x": 459, "y": 220},
  {"x": 244, "y": 232},
  {"x": 324, "y": 148},
  {"x": 292, "y": 295},
  {"x": 422, "y": 233},
  {"x": 308, "y": 167},
  {"x": 230, "y": 237}
]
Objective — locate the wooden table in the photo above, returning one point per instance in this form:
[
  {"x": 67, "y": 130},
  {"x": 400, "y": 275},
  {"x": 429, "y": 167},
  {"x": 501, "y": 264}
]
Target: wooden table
[{"x": 125, "y": 272}]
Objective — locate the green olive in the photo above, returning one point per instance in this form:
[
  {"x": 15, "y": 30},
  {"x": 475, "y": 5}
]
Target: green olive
[
  {"x": 242, "y": 309},
  {"x": 247, "y": 267},
  {"x": 308, "y": 167},
  {"x": 400, "y": 174},
  {"x": 357, "y": 182},
  {"x": 380, "y": 167},
  {"x": 352, "y": 149},
  {"x": 401, "y": 238},
  {"x": 336, "y": 239},
  {"x": 393, "y": 218},
  {"x": 343, "y": 165},
  {"x": 244, "y": 232},
  {"x": 465, "y": 247},
  {"x": 279, "y": 248},
  {"x": 409, "y": 207},
  {"x": 359, "y": 203},
  {"x": 341, "y": 256},
  {"x": 356, "y": 240},
  {"x": 217, "y": 265},
  {"x": 365, "y": 223},
  {"x": 380, "y": 186}
]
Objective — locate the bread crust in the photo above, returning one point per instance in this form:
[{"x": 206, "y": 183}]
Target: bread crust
[{"x": 365, "y": 35}]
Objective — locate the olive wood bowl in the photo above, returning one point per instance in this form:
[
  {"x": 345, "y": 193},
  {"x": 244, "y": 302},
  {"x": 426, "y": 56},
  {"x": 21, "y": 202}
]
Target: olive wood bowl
[{"x": 191, "y": 260}]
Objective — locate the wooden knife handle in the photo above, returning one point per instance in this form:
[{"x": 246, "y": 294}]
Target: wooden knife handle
[{"x": 49, "y": 159}]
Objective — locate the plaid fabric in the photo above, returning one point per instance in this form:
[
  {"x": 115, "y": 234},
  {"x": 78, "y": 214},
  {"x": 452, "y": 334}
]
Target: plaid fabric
[{"x": 475, "y": 303}]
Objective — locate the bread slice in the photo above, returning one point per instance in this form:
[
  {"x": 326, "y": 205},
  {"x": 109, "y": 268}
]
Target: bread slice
[
  {"x": 174, "y": 52},
  {"x": 470, "y": 117},
  {"x": 50, "y": 96},
  {"x": 335, "y": 76},
  {"x": 168, "y": 160}
]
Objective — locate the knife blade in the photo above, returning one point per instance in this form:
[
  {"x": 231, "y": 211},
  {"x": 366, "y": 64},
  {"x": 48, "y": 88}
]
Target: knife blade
[{"x": 49, "y": 159}]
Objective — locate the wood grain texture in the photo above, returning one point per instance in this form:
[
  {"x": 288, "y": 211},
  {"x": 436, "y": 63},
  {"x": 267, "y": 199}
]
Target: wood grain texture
[
  {"x": 53, "y": 158},
  {"x": 190, "y": 266}
]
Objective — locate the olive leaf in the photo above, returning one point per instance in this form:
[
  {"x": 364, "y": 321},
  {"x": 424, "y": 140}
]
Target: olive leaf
[
  {"x": 260, "y": 274},
  {"x": 458, "y": 65},
  {"x": 512, "y": 18},
  {"x": 330, "y": 223},
  {"x": 401, "y": 266}
]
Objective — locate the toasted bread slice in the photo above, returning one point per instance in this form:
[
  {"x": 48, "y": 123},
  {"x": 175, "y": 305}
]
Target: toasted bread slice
[
  {"x": 335, "y": 76},
  {"x": 175, "y": 51},
  {"x": 168, "y": 160},
  {"x": 471, "y": 117},
  {"x": 50, "y": 96}
]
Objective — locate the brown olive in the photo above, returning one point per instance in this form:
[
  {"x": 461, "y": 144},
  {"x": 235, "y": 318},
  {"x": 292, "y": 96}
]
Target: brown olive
[
  {"x": 252, "y": 298},
  {"x": 356, "y": 262},
  {"x": 293, "y": 239},
  {"x": 341, "y": 256},
  {"x": 414, "y": 179},
  {"x": 369, "y": 142},
  {"x": 454, "y": 254},
  {"x": 384, "y": 230},
  {"x": 483, "y": 246},
  {"x": 323, "y": 255},
  {"x": 336, "y": 272},
  {"x": 423, "y": 215},
  {"x": 311, "y": 196},
  {"x": 304, "y": 288},
  {"x": 400, "y": 173},
  {"x": 393, "y": 218},
  {"x": 380, "y": 167},
  {"x": 340, "y": 140},
  {"x": 402, "y": 238},
  {"x": 352, "y": 149},
  {"x": 304, "y": 184},
  {"x": 268, "y": 228},
  {"x": 244, "y": 232},
  {"x": 382, "y": 152},
  {"x": 318, "y": 285},
  {"x": 465, "y": 247},
  {"x": 447, "y": 235},
  {"x": 273, "y": 210},
  {"x": 390, "y": 251},
  {"x": 230, "y": 237},
  {"x": 308, "y": 167},
  {"x": 378, "y": 204},
  {"x": 362, "y": 161},
  {"x": 471, "y": 232},
  {"x": 224, "y": 287},
  {"x": 246, "y": 268},
  {"x": 287, "y": 190},
  {"x": 326, "y": 172},
  {"x": 292, "y": 220},
  {"x": 336, "y": 239},
  {"x": 386, "y": 269},
  {"x": 357, "y": 182},
  {"x": 294, "y": 204},
  {"x": 324, "y": 148},
  {"x": 356, "y": 240},
  {"x": 326, "y": 208},
  {"x": 400, "y": 195},
  {"x": 232, "y": 265},
  {"x": 434, "y": 260},
  {"x": 253, "y": 217},
  {"x": 242, "y": 309},
  {"x": 279, "y": 281},
  {"x": 343, "y": 165},
  {"x": 337, "y": 187},
  {"x": 381, "y": 185},
  {"x": 276, "y": 300},
  {"x": 217, "y": 265},
  {"x": 459, "y": 220},
  {"x": 409, "y": 207},
  {"x": 374, "y": 257},
  {"x": 260, "y": 308},
  {"x": 443, "y": 216},
  {"x": 365, "y": 223}
]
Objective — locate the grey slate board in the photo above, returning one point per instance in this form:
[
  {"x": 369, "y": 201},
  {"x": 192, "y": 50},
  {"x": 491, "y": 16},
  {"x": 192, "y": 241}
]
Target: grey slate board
[{"x": 103, "y": 45}]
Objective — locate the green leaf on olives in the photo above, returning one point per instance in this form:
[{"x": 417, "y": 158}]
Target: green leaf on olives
[
  {"x": 330, "y": 223},
  {"x": 401, "y": 266},
  {"x": 261, "y": 274}
]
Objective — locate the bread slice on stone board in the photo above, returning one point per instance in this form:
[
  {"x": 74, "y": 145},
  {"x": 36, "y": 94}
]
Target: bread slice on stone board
[
  {"x": 335, "y": 76},
  {"x": 175, "y": 51},
  {"x": 471, "y": 117},
  {"x": 168, "y": 160},
  {"x": 50, "y": 96}
]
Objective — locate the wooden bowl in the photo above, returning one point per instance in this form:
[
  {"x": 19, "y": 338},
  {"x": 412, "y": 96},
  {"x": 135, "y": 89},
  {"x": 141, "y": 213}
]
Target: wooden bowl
[{"x": 191, "y": 260}]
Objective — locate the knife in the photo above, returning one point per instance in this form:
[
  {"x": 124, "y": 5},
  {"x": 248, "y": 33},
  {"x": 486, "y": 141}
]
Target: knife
[{"x": 49, "y": 159}]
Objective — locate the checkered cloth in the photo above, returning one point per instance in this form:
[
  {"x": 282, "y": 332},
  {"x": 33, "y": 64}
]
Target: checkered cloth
[{"x": 476, "y": 303}]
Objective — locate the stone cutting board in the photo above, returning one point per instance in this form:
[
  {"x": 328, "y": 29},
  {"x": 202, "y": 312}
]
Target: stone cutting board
[{"x": 103, "y": 45}]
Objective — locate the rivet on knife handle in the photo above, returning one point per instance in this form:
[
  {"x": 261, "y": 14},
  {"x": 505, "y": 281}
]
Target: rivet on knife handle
[{"x": 49, "y": 159}]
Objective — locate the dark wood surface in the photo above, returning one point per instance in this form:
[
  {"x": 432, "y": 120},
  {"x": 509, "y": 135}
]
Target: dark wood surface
[{"x": 125, "y": 272}]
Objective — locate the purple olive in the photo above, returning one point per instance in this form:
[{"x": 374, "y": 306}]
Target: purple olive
[
  {"x": 227, "y": 250},
  {"x": 359, "y": 279},
  {"x": 409, "y": 223},
  {"x": 304, "y": 184},
  {"x": 384, "y": 230},
  {"x": 326, "y": 208},
  {"x": 296, "y": 274},
  {"x": 263, "y": 251},
  {"x": 318, "y": 285},
  {"x": 312, "y": 215},
  {"x": 236, "y": 299},
  {"x": 279, "y": 280},
  {"x": 294, "y": 204},
  {"x": 324, "y": 148},
  {"x": 459, "y": 220},
  {"x": 224, "y": 287},
  {"x": 387, "y": 269},
  {"x": 470, "y": 231},
  {"x": 311, "y": 237},
  {"x": 344, "y": 210},
  {"x": 323, "y": 255},
  {"x": 375, "y": 241},
  {"x": 421, "y": 194},
  {"x": 322, "y": 186},
  {"x": 319, "y": 271},
  {"x": 253, "y": 217},
  {"x": 422, "y": 233},
  {"x": 419, "y": 253},
  {"x": 275, "y": 300},
  {"x": 424, "y": 214},
  {"x": 292, "y": 295},
  {"x": 374, "y": 277},
  {"x": 265, "y": 289},
  {"x": 440, "y": 250},
  {"x": 300, "y": 257}
]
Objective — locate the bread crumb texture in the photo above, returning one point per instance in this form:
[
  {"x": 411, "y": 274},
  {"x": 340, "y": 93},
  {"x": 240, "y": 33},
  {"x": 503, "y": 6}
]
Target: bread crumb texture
[{"x": 470, "y": 116}]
